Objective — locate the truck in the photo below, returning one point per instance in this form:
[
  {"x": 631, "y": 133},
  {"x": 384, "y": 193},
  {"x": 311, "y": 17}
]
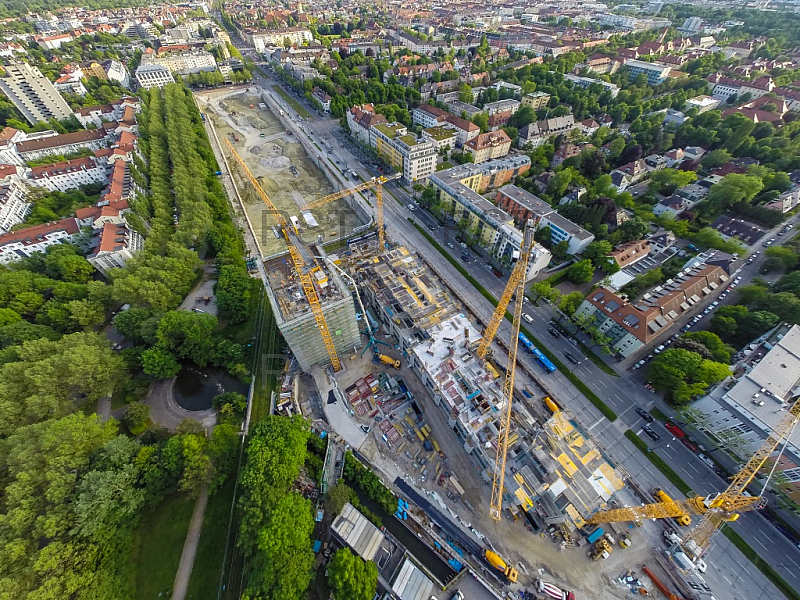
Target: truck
[
  {"x": 602, "y": 549},
  {"x": 498, "y": 563},
  {"x": 388, "y": 360},
  {"x": 548, "y": 402},
  {"x": 551, "y": 590},
  {"x": 662, "y": 496},
  {"x": 595, "y": 535}
]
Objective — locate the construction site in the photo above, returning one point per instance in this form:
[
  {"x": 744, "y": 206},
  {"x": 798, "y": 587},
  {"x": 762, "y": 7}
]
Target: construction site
[{"x": 432, "y": 402}]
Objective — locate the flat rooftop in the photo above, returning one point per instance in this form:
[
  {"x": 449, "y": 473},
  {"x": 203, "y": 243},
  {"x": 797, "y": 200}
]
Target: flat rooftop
[{"x": 288, "y": 289}]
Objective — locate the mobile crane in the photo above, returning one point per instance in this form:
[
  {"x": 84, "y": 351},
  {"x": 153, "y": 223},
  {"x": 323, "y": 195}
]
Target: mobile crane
[
  {"x": 375, "y": 182},
  {"x": 715, "y": 508},
  {"x": 516, "y": 283},
  {"x": 303, "y": 268}
]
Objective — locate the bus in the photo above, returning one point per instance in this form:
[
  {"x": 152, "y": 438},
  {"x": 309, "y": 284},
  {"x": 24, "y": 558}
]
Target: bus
[{"x": 540, "y": 358}]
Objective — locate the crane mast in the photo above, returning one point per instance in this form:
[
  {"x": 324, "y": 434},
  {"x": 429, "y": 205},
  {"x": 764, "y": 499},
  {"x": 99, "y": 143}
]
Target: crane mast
[
  {"x": 299, "y": 263},
  {"x": 516, "y": 283}
]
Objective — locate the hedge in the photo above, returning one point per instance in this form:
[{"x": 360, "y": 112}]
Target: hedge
[{"x": 593, "y": 398}]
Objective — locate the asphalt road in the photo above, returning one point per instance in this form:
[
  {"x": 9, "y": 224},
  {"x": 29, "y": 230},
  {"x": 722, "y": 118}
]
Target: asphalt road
[{"x": 730, "y": 574}]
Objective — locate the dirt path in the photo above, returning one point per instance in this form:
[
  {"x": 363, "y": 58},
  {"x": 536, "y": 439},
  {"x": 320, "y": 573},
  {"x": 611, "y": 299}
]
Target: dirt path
[{"x": 181, "y": 584}]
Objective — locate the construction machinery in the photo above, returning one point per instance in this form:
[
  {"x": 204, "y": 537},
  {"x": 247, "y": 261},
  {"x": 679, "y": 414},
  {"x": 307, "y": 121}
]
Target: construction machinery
[
  {"x": 388, "y": 360},
  {"x": 516, "y": 284},
  {"x": 303, "y": 266},
  {"x": 515, "y": 288},
  {"x": 602, "y": 549},
  {"x": 662, "y": 496},
  {"x": 375, "y": 182},
  {"x": 716, "y": 508},
  {"x": 498, "y": 563}
]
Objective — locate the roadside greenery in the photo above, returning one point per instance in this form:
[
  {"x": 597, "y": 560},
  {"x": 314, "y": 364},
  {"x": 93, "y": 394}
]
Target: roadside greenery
[
  {"x": 369, "y": 483},
  {"x": 683, "y": 374}
]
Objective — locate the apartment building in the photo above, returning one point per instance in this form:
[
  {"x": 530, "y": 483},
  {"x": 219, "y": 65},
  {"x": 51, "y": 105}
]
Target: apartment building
[
  {"x": 488, "y": 146},
  {"x": 655, "y": 72},
  {"x": 430, "y": 116},
  {"x": 522, "y": 206},
  {"x": 415, "y": 158},
  {"x": 361, "y": 119},
  {"x": 67, "y": 143},
  {"x": 33, "y": 94},
  {"x": 25, "y": 242},
  {"x": 183, "y": 63},
  {"x": 630, "y": 326},
  {"x": 442, "y": 137},
  {"x": 69, "y": 174},
  {"x": 585, "y": 82},
  {"x": 537, "y": 134},
  {"x": 113, "y": 245},
  {"x": 153, "y": 76},
  {"x": 536, "y": 100},
  {"x": 278, "y": 37},
  {"x": 13, "y": 205}
]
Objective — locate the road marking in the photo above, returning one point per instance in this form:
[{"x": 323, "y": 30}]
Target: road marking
[
  {"x": 688, "y": 464},
  {"x": 599, "y": 382},
  {"x": 728, "y": 580},
  {"x": 596, "y": 424},
  {"x": 759, "y": 543}
]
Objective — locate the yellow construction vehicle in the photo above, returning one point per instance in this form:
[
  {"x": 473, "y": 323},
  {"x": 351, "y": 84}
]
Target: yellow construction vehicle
[
  {"x": 301, "y": 265},
  {"x": 375, "y": 182},
  {"x": 516, "y": 284},
  {"x": 602, "y": 549},
  {"x": 388, "y": 360},
  {"x": 498, "y": 563},
  {"x": 715, "y": 508}
]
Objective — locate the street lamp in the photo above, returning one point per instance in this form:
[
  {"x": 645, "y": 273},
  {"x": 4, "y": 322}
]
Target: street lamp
[{"x": 661, "y": 446}]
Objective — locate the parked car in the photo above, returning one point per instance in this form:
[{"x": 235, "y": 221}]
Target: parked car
[
  {"x": 450, "y": 245},
  {"x": 649, "y": 431},
  {"x": 553, "y": 333},
  {"x": 571, "y": 358},
  {"x": 644, "y": 414}
]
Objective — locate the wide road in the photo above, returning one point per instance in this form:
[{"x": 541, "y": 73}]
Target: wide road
[{"x": 730, "y": 574}]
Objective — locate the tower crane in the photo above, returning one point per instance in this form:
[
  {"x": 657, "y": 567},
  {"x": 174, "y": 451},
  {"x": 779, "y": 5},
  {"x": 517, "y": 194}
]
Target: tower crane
[
  {"x": 302, "y": 267},
  {"x": 715, "y": 508},
  {"x": 516, "y": 283},
  {"x": 516, "y": 278},
  {"x": 375, "y": 182}
]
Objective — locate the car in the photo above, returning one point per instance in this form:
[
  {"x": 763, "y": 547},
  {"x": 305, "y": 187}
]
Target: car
[
  {"x": 553, "y": 333},
  {"x": 686, "y": 328},
  {"x": 431, "y": 227},
  {"x": 465, "y": 258},
  {"x": 571, "y": 358},
  {"x": 463, "y": 245},
  {"x": 715, "y": 303},
  {"x": 653, "y": 435},
  {"x": 723, "y": 295},
  {"x": 644, "y": 414},
  {"x": 450, "y": 245},
  {"x": 659, "y": 349},
  {"x": 527, "y": 317},
  {"x": 573, "y": 341}
]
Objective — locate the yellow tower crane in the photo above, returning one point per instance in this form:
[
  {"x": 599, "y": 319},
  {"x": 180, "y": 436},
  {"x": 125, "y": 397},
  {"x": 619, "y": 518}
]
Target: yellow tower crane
[
  {"x": 516, "y": 283},
  {"x": 303, "y": 269},
  {"x": 716, "y": 508},
  {"x": 375, "y": 182},
  {"x": 516, "y": 278}
]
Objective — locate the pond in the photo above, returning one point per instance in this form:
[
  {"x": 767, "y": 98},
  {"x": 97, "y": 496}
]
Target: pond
[{"x": 195, "y": 388}]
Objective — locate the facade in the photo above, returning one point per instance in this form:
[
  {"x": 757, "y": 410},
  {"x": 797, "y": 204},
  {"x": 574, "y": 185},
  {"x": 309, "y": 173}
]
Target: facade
[
  {"x": 67, "y": 143},
  {"x": 585, "y": 82},
  {"x": 523, "y": 205},
  {"x": 415, "y": 158},
  {"x": 278, "y": 36},
  {"x": 33, "y": 94},
  {"x": 13, "y": 205},
  {"x": 360, "y": 119},
  {"x": 656, "y": 73},
  {"x": 537, "y": 134},
  {"x": 536, "y": 100},
  {"x": 25, "y": 242},
  {"x": 113, "y": 246},
  {"x": 183, "y": 63},
  {"x": 153, "y": 76},
  {"x": 68, "y": 175},
  {"x": 501, "y": 106},
  {"x": 428, "y": 116},
  {"x": 491, "y": 227},
  {"x": 488, "y": 146},
  {"x": 633, "y": 326},
  {"x": 442, "y": 137}
]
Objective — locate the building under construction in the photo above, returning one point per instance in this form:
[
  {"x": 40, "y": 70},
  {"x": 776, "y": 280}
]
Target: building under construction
[{"x": 295, "y": 318}]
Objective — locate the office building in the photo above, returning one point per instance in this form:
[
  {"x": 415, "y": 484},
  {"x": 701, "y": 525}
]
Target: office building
[
  {"x": 152, "y": 76},
  {"x": 32, "y": 94},
  {"x": 655, "y": 72},
  {"x": 415, "y": 158}
]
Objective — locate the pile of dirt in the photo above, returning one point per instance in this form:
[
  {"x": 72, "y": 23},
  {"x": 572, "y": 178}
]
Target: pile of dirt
[{"x": 279, "y": 162}]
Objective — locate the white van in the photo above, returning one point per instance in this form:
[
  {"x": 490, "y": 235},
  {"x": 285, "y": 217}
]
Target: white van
[{"x": 527, "y": 317}]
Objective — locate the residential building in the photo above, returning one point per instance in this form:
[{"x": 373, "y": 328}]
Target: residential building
[
  {"x": 153, "y": 76},
  {"x": 536, "y": 100},
  {"x": 415, "y": 158},
  {"x": 745, "y": 232},
  {"x": 751, "y": 410},
  {"x": 631, "y": 326},
  {"x": 183, "y": 63},
  {"x": 13, "y": 204},
  {"x": 361, "y": 119},
  {"x": 113, "y": 245},
  {"x": 428, "y": 116},
  {"x": 488, "y": 146},
  {"x": 117, "y": 71},
  {"x": 442, "y": 137},
  {"x": 785, "y": 202},
  {"x": 70, "y": 174},
  {"x": 673, "y": 205},
  {"x": 67, "y": 143},
  {"x": 702, "y": 103},
  {"x": 521, "y": 205},
  {"x": 491, "y": 227},
  {"x": 33, "y": 94},
  {"x": 458, "y": 108},
  {"x": 585, "y": 82},
  {"x": 278, "y": 37},
  {"x": 465, "y": 130},
  {"x": 537, "y": 134},
  {"x": 630, "y": 253},
  {"x": 508, "y": 105},
  {"x": 323, "y": 98},
  {"x": 25, "y": 242},
  {"x": 655, "y": 72}
]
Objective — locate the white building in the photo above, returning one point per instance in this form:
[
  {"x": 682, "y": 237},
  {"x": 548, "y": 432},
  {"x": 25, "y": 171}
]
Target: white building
[
  {"x": 113, "y": 246},
  {"x": 278, "y": 37},
  {"x": 655, "y": 72},
  {"x": 13, "y": 206},
  {"x": 183, "y": 63},
  {"x": 91, "y": 139},
  {"x": 585, "y": 82},
  {"x": 152, "y": 76},
  {"x": 24, "y": 242},
  {"x": 33, "y": 94},
  {"x": 70, "y": 174}
]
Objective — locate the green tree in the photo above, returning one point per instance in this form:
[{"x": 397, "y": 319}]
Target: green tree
[
  {"x": 569, "y": 303},
  {"x": 542, "y": 289},
  {"x": 732, "y": 189},
  {"x": 137, "y": 417},
  {"x": 187, "y": 334},
  {"x": 718, "y": 350},
  {"x": 63, "y": 262},
  {"x": 350, "y": 577},
  {"x": 337, "y": 496},
  {"x": 785, "y": 257},
  {"x": 465, "y": 93},
  {"x": 597, "y": 250},
  {"x": 159, "y": 363},
  {"x": 666, "y": 181},
  {"x": 682, "y": 374},
  {"x": 581, "y": 272},
  {"x": 716, "y": 158}
]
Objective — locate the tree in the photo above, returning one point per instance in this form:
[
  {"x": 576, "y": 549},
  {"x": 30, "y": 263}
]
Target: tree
[
  {"x": 350, "y": 577},
  {"x": 137, "y": 417},
  {"x": 63, "y": 262},
  {"x": 718, "y": 350},
  {"x": 733, "y": 188},
  {"x": 633, "y": 229},
  {"x": 542, "y": 289},
  {"x": 465, "y": 93},
  {"x": 337, "y": 496},
  {"x": 159, "y": 363},
  {"x": 716, "y": 158},
  {"x": 597, "y": 250},
  {"x": 785, "y": 257},
  {"x": 569, "y": 303},
  {"x": 187, "y": 334},
  {"x": 581, "y": 272},
  {"x": 682, "y": 374},
  {"x": 666, "y": 181},
  {"x": 560, "y": 251}
]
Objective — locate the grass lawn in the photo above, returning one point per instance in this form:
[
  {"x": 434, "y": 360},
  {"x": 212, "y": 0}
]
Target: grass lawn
[
  {"x": 444, "y": 165},
  {"x": 295, "y": 104},
  {"x": 211, "y": 550},
  {"x": 157, "y": 546}
]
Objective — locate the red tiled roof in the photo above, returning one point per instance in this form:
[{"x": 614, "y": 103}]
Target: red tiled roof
[
  {"x": 59, "y": 168},
  {"x": 61, "y": 140},
  {"x": 32, "y": 235},
  {"x": 6, "y": 170}
]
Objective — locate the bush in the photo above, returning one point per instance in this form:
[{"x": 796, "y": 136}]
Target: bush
[{"x": 369, "y": 483}]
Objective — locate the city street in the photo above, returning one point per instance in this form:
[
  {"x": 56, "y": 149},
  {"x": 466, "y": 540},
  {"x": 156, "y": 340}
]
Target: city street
[{"x": 730, "y": 574}]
